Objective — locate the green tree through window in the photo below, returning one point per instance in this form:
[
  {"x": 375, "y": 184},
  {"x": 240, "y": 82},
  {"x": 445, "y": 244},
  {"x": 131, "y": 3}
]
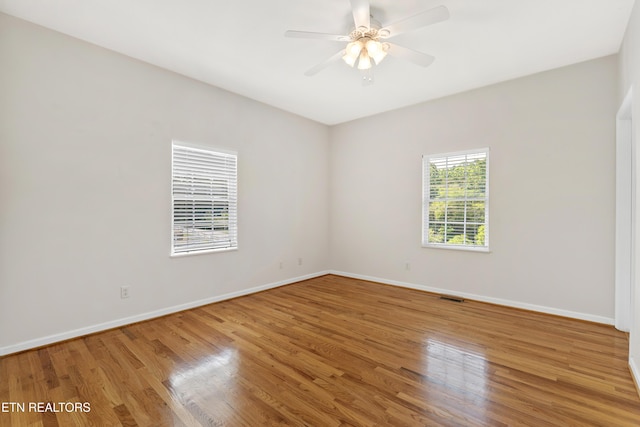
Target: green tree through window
[{"x": 455, "y": 202}]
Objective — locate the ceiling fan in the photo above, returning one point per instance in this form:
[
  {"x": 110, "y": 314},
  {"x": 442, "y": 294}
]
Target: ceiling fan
[{"x": 366, "y": 43}]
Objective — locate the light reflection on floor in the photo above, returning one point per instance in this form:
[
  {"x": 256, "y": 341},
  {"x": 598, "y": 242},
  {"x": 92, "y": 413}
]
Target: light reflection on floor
[
  {"x": 208, "y": 387},
  {"x": 461, "y": 371},
  {"x": 208, "y": 370}
]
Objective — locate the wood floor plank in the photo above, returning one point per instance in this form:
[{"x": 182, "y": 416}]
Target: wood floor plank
[{"x": 333, "y": 351}]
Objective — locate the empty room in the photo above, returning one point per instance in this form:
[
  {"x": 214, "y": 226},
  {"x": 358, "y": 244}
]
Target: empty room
[{"x": 319, "y": 213}]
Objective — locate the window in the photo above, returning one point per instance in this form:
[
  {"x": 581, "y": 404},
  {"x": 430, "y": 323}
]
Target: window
[
  {"x": 456, "y": 200},
  {"x": 204, "y": 200}
]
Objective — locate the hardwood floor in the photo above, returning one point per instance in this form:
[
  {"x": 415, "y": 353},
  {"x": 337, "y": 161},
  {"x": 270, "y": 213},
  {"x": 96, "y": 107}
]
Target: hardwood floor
[{"x": 330, "y": 351}]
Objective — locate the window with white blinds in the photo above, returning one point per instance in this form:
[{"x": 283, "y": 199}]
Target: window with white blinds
[
  {"x": 204, "y": 200},
  {"x": 455, "y": 204}
]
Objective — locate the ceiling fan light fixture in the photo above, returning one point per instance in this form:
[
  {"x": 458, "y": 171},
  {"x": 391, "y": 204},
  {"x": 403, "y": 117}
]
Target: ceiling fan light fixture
[
  {"x": 376, "y": 50},
  {"x": 380, "y": 54},
  {"x": 352, "y": 52},
  {"x": 354, "y": 48},
  {"x": 365, "y": 61},
  {"x": 373, "y": 47},
  {"x": 350, "y": 60}
]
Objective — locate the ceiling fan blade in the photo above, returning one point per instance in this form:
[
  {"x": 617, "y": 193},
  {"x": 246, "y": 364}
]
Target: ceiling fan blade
[
  {"x": 312, "y": 71},
  {"x": 361, "y": 13},
  {"x": 312, "y": 35},
  {"x": 422, "y": 19},
  {"x": 414, "y": 56}
]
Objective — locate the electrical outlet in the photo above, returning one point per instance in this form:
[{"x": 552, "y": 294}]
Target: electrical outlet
[
  {"x": 281, "y": 265},
  {"x": 124, "y": 292},
  {"x": 299, "y": 261},
  {"x": 407, "y": 266}
]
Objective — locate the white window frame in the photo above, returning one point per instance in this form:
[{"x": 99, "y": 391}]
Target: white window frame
[
  {"x": 426, "y": 201},
  {"x": 203, "y": 176}
]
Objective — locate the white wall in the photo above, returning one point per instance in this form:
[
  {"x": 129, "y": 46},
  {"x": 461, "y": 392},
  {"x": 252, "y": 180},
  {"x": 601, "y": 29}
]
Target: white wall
[
  {"x": 85, "y": 146},
  {"x": 552, "y": 181},
  {"x": 630, "y": 78}
]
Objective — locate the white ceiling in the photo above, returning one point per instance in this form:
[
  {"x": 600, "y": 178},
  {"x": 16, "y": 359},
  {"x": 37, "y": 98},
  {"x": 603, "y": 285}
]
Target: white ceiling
[{"x": 239, "y": 45}]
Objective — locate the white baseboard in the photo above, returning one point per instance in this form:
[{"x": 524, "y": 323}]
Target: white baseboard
[
  {"x": 635, "y": 373},
  {"x": 497, "y": 301},
  {"x": 39, "y": 342}
]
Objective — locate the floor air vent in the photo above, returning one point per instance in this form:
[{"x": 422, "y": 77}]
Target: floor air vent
[{"x": 451, "y": 298}]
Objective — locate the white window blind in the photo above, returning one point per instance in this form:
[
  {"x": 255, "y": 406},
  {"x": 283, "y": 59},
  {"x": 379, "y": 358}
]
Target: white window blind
[
  {"x": 456, "y": 200},
  {"x": 204, "y": 200}
]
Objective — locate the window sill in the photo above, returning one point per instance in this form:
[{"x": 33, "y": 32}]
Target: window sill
[
  {"x": 208, "y": 251},
  {"x": 481, "y": 249}
]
